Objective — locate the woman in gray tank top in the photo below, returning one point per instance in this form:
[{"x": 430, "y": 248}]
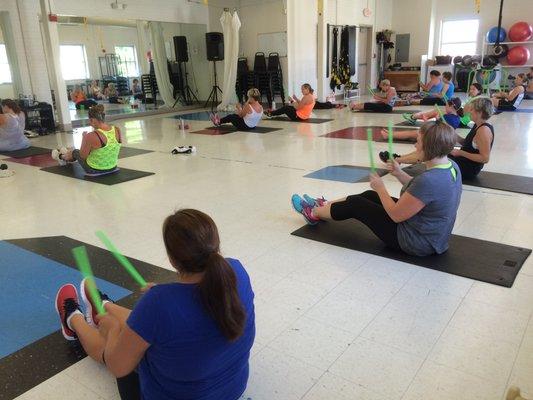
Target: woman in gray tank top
[{"x": 12, "y": 123}]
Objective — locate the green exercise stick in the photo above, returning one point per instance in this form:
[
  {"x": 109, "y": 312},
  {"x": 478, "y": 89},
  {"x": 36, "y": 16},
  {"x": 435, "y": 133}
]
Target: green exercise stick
[
  {"x": 80, "y": 255},
  {"x": 440, "y": 113},
  {"x": 390, "y": 141},
  {"x": 372, "y": 91},
  {"x": 128, "y": 266},
  {"x": 371, "y": 149}
]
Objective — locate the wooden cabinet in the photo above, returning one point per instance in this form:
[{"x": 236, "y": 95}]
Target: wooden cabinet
[{"x": 404, "y": 81}]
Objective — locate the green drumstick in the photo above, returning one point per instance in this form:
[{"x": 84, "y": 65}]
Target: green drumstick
[
  {"x": 390, "y": 141},
  {"x": 80, "y": 255},
  {"x": 128, "y": 266},
  {"x": 371, "y": 149}
]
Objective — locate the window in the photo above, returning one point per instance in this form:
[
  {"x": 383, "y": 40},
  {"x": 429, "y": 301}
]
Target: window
[
  {"x": 5, "y": 71},
  {"x": 459, "y": 38},
  {"x": 73, "y": 62},
  {"x": 128, "y": 61}
]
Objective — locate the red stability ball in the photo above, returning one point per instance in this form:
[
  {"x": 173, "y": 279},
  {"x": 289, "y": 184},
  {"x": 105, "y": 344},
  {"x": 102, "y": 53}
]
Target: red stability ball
[
  {"x": 520, "y": 32},
  {"x": 518, "y": 55}
]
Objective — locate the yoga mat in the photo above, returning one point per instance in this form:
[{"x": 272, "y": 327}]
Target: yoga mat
[
  {"x": 489, "y": 180},
  {"x": 30, "y": 151},
  {"x": 392, "y": 112},
  {"x": 225, "y": 129},
  {"x": 307, "y": 121},
  {"x": 75, "y": 171},
  {"x": 420, "y": 123},
  {"x": 481, "y": 260},
  {"x": 132, "y": 151},
  {"x": 359, "y": 133},
  {"x": 344, "y": 173},
  {"x": 40, "y": 160}
]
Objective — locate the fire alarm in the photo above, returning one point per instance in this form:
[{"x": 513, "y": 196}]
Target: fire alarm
[
  {"x": 52, "y": 17},
  {"x": 367, "y": 12}
]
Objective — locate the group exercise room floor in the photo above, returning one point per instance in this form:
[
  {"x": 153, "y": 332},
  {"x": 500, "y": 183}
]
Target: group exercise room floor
[{"x": 331, "y": 323}]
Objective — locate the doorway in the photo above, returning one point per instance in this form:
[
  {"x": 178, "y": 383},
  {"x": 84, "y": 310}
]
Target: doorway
[{"x": 364, "y": 57}]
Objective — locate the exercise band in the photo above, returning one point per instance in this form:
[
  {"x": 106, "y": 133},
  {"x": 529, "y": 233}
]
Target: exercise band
[{"x": 371, "y": 149}]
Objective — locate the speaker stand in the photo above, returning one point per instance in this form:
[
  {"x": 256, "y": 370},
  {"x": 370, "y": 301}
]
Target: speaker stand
[
  {"x": 213, "y": 96},
  {"x": 186, "y": 94}
]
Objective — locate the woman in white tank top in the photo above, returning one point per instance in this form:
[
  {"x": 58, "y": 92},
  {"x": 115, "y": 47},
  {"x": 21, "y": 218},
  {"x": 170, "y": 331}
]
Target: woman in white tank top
[
  {"x": 503, "y": 101},
  {"x": 12, "y": 123},
  {"x": 247, "y": 116}
]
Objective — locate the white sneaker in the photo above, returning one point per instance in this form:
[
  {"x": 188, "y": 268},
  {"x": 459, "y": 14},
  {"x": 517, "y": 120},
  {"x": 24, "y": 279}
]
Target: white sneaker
[
  {"x": 184, "y": 150},
  {"x": 55, "y": 155},
  {"x": 6, "y": 173}
]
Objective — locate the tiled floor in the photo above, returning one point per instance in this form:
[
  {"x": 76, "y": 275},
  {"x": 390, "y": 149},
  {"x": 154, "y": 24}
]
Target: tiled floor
[{"x": 331, "y": 323}]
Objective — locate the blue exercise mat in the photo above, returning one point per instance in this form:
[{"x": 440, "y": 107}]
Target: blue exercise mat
[
  {"x": 29, "y": 286},
  {"x": 344, "y": 173}
]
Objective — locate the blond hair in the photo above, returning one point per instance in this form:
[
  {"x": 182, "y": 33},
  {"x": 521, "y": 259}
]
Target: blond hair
[
  {"x": 385, "y": 82},
  {"x": 438, "y": 139},
  {"x": 254, "y": 94},
  {"x": 97, "y": 112},
  {"x": 482, "y": 105}
]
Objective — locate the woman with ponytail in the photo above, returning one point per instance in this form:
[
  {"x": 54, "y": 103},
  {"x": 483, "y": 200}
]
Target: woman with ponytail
[{"x": 185, "y": 340}]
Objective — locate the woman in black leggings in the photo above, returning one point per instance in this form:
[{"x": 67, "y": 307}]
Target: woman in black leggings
[
  {"x": 476, "y": 147},
  {"x": 421, "y": 220},
  {"x": 301, "y": 109}
]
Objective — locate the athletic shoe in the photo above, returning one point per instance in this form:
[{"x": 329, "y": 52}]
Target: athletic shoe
[
  {"x": 307, "y": 213},
  {"x": 384, "y": 156},
  {"x": 318, "y": 202},
  {"x": 90, "y": 308},
  {"x": 409, "y": 118},
  {"x": 56, "y": 156},
  {"x": 267, "y": 114},
  {"x": 184, "y": 150},
  {"x": 66, "y": 306},
  {"x": 297, "y": 203},
  {"x": 6, "y": 173},
  {"x": 215, "y": 119}
]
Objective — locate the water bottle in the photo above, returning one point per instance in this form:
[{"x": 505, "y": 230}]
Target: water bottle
[{"x": 273, "y": 105}]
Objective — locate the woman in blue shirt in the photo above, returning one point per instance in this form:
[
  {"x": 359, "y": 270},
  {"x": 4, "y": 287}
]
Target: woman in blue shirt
[{"x": 187, "y": 340}]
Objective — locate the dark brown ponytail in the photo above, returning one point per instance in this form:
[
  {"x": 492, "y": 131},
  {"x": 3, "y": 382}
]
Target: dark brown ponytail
[{"x": 192, "y": 243}]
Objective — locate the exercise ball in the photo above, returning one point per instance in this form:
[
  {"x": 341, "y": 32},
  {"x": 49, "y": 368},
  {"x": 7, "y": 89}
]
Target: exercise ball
[
  {"x": 518, "y": 55},
  {"x": 492, "y": 35},
  {"x": 520, "y": 32},
  {"x": 467, "y": 61},
  {"x": 457, "y": 59}
]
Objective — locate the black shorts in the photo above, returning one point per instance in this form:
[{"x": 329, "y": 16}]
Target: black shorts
[{"x": 506, "y": 105}]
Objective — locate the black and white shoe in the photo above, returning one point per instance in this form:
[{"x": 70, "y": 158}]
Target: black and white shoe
[{"x": 184, "y": 150}]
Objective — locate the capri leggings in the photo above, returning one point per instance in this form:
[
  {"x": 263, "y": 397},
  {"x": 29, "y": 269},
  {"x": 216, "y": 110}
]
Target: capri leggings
[
  {"x": 236, "y": 121},
  {"x": 378, "y": 107},
  {"x": 289, "y": 111},
  {"x": 367, "y": 208}
]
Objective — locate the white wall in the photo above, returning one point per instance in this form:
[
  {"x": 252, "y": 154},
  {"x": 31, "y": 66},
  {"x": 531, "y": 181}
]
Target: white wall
[
  {"x": 402, "y": 20},
  {"x": 6, "y": 89}
]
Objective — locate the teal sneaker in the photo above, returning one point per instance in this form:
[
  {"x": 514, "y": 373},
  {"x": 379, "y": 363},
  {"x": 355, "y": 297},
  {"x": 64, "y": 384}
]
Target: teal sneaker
[
  {"x": 409, "y": 118},
  {"x": 297, "y": 203},
  {"x": 318, "y": 202}
]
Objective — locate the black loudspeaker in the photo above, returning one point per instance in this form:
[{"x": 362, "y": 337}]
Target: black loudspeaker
[
  {"x": 180, "y": 49},
  {"x": 214, "y": 43}
]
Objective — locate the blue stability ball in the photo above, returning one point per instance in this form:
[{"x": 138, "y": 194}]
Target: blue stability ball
[{"x": 492, "y": 34}]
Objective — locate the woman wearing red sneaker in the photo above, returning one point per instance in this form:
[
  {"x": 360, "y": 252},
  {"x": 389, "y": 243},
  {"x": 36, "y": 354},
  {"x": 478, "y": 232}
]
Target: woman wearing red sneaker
[{"x": 186, "y": 340}]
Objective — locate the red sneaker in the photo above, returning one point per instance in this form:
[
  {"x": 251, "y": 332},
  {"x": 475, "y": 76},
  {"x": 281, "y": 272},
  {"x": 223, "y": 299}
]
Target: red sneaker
[
  {"x": 90, "y": 308},
  {"x": 66, "y": 305}
]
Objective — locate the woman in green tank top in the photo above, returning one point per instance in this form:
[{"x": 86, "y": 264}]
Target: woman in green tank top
[{"x": 99, "y": 149}]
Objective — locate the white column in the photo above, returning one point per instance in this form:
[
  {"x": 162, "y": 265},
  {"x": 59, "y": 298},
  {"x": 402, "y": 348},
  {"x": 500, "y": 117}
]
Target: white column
[
  {"x": 51, "y": 43},
  {"x": 322, "y": 50}
]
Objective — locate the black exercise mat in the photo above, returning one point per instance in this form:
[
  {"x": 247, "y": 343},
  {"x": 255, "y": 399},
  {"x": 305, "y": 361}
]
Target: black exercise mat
[
  {"x": 132, "y": 151},
  {"x": 407, "y": 123},
  {"x": 39, "y": 361},
  {"x": 391, "y": 112},
  {"x": 75, "y": 171},
  {"x": 489, "y": 180},
  {"x": 231, "y": 128},
  {"x": 472, "y": 258},
  {"x": 307, "y": 121},
  {"x": 30, "y": 151}
]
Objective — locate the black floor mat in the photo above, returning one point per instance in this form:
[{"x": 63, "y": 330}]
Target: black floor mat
[
  {"x": 132, "y": 151},
  {"x": 392, "y": 112},
  {"x": 489, "y": 180},
  {"x": 231, "y": 129},
  {"x": 472, "y": 258},
  {"x": 75, "y": 171},
  {"x": 307, "y": 121},
  {"x": 30, "y": 151}
]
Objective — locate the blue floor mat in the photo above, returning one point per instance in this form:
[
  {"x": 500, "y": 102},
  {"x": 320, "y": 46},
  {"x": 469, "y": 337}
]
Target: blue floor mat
[
  {"x": 344, "y": 173},
  {"x": 29, "y": 283}
]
